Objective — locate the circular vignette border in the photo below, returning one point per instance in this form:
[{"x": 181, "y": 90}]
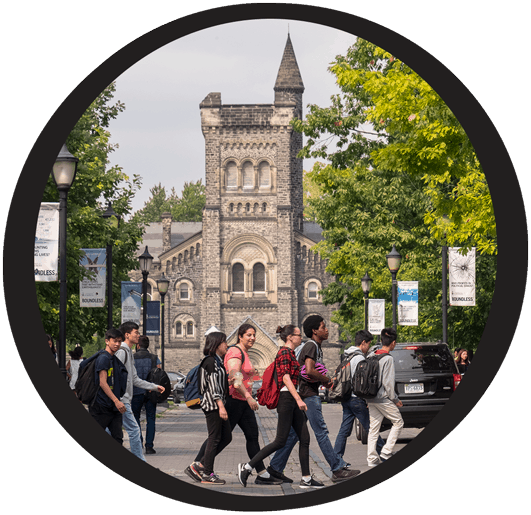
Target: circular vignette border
[{"x": 506, "y": 304}]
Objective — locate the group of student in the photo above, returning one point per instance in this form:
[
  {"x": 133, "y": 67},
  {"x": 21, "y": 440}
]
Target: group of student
[{"x": 226, "y": 384}]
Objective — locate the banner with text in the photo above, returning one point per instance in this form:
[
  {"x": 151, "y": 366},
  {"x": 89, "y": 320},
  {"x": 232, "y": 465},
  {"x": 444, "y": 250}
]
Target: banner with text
[
  {"x": 462, "y": 277},
  {"x": 131, "y": 297},
  {"x": 376, "y": 315},
  {"x": 46, "y": 259},
  {"x": 408, "y": 302},
  {"x": 92, "y": 288},
  {"x": 153, "y": 318}
]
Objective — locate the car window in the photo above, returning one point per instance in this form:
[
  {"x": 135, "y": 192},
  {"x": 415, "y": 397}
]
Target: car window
[{"x": 427, "y": 359}]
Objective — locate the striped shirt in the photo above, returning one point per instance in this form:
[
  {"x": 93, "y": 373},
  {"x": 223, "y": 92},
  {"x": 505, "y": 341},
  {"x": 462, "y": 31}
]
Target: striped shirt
[{"x": 213, "y": 383}]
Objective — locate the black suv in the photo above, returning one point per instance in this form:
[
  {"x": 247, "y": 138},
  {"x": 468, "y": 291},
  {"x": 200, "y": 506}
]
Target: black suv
[{"x": 426, "y": 376}]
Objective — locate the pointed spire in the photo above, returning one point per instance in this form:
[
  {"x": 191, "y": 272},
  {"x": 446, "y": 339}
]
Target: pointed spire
[{"x": 289, "y": 75}]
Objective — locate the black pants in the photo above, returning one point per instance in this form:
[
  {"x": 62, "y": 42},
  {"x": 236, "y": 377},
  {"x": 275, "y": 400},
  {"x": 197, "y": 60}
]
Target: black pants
[
  {"x": 289, "y": 415},
  {"x": 111, "y": 419},
  {"x": 241, "y": 414},
  {"x": 219, "y": 436}
]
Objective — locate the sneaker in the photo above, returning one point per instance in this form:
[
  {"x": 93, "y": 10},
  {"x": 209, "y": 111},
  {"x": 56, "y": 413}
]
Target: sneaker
[
  {"x": 212, "y": 479},
  {"x": 188, "y": 471},
  {"x": 373, "y": 464},
  {"x": 279, "y": 475},
  {"x": 267, "y": 481},
  {"x": 387, "y": 457},
  {"x": 312, "y": 483},
  {"x": 243, "y": 474},
  {"x": 150, "y": 450},
  {"x": 197, "y": 469},
  {"x": 343, "y": 474}
]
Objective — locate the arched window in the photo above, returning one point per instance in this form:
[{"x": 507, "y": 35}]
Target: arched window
[
  {"x": 258, "y": 277},
  {"x": 189, "y": 328},
  {"x": 232, "y": 175},
  {"x": 248, "y": 175},
  {"x": 184, "y": 293},
  {"x": 178, "y": 329},
  {"x": 312, "y": 290},
  {"x": 264, "y": 175},
  {"x": 238, "y": 277}
]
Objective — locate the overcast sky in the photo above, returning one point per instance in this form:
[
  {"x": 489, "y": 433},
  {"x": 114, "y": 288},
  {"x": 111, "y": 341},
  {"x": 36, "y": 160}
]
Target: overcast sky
[{"x": 159, "y": 133}]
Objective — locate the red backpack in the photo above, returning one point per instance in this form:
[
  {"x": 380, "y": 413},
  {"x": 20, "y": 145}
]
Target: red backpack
[{"x": 268, "y": 393}]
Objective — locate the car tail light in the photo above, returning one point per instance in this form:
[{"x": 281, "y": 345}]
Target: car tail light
[
  {"x": 412, "y": 347},
  {"x": 457, "y": 380}
]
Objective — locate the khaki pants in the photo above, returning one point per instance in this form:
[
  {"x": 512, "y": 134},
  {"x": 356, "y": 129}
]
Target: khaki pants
[{"x": 377, "y": 412}]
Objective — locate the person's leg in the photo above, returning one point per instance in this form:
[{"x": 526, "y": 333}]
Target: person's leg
[
  {"x": 249, "y": 426},
  {"x": 280, "y": 458},
  {"x": 300, "y": 426},
  {"x": 136, "y": 406},
  {"x": 345, "y": 429},
  {"x": 391, "y": 412},
  {"x": 109, "y": 421},
  {"x": 115, "y": 427},
  {"x": 375, "y": 421},
  {"x": 318, "y": 424},
  {"x": 133, "y": 430},
  {"x": 151, "y": 414},
  {"x": 214, "y": 425},
  {"x": 361, "y": 412}
]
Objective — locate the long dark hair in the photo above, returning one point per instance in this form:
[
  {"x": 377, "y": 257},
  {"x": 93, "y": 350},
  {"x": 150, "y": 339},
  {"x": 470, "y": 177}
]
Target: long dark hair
[
  {"x": 285, "y": 331},
  {"x": 460, "y": 357},
  {"x": 212, "y": 342},
  {"x": 50, "y": 339},
  {"x": 76, "y": 353},
  {"x": 243, "y": 329}
]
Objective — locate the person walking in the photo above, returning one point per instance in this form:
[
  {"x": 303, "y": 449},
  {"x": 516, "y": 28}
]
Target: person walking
[
  {"x": 311, "y": 356},
  {"x": 214, "y": 385},
  {"x": 72, "y": 367},
  {"x": 385, "y": 404},
  {"x": 354, "y": 407},
  {"x": 290, "y": 409},
  {"x": 462, "y": 361}
]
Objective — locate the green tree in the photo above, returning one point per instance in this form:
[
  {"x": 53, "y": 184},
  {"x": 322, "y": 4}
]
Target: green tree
[{"x": 93, "y": 187}]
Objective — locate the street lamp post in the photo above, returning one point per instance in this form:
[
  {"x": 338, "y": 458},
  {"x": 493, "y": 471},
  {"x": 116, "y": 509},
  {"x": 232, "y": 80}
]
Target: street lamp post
[
  {"x": 162, "y": 285},
  {"x": 366, "y": 283},
  {"x": 115, "y": 219},
  {"x": 145, "y": 265},
  {"x": 393, "y": 263},
  {"x": 64, "y": 173},
  {"x": 445, "y": 284}
]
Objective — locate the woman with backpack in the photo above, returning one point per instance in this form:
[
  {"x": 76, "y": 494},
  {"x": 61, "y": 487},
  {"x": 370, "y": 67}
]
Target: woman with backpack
[
  {"x": 214, "y": 385},
  {"x": 290, "y": 410}
]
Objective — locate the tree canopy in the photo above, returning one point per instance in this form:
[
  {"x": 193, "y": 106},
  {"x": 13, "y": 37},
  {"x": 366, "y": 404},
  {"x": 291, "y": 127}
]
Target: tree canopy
[
  {"x": 398, "y": 160},
  {"x": 94, "y": 186}
]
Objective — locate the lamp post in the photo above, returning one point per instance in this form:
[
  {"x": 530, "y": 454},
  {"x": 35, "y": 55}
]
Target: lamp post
[
  {"x": 393, "y": 263},
  {"x": 162, "y": 285},
  {"x": 115, "y": 220},
  {"x": 63, "y": 173},
  {"x": 445, "y": 283},
  {"x": 366, "y": 283},
  {"x": 145, "y": 260}
]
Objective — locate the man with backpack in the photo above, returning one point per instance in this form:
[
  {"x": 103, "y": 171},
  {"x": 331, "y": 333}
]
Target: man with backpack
[
  {"x": 354, "y": 406},
  {"x": 125, "y": 355},
  {"x": 385, "y": 404},
  {"x": 311, "y": 357},
  {"x": 144, "y": 362}
]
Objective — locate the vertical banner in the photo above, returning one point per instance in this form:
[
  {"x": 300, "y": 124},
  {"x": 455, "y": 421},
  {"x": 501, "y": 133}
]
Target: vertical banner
[
  {"x": 92, "y": 288},
  {"x": 408, "y": 302},
  {"x": 462, "y": 277},
  {"x": 131, "y": 297},
  {"x": 153, "y": 318},
  {"x": 46, "y": 259},
  {"x": 376, "y": 315}
]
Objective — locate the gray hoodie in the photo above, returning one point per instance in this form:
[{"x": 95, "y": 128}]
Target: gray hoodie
[
  {"x": 125, "y": 355},
  {"x": 386, "y": 378}
]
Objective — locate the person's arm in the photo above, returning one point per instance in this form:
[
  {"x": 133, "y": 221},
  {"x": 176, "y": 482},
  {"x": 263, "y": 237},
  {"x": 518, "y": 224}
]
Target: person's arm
[
  {"x": 235, "y": 365},
  {"x": 286, "y": 379},
  {"x": 312, "y": 373},
  {"x": 107, "y": 390}
]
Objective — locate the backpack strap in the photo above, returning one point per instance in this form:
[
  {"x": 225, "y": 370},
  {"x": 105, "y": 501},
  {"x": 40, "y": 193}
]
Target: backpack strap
[{"x": 241, "y": 352}]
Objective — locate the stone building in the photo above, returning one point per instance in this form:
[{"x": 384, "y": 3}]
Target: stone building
[{"x": 250, "y": 259}]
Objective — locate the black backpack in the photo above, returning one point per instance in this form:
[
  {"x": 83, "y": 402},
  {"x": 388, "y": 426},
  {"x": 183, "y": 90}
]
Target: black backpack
[
  {"x": 86, "y": 388},
  {"x": 365, "y": 382},
  {"x": 160, "y": 377}
]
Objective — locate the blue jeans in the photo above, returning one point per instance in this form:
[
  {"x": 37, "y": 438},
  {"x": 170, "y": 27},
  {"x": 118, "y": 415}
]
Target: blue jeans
[
  {"x": 133, "y": 430},
  {"x": 315, "y": 417},
  {"x": 151, "y": 413},
  {"x": 352, "y": 409}
]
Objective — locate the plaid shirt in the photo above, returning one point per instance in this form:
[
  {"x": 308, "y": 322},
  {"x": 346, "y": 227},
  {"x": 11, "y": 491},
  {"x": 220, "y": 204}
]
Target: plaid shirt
[{"x": 286, "y": 363}]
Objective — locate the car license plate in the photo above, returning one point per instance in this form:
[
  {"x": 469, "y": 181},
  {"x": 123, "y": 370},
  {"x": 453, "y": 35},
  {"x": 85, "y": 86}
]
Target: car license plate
[{"x": 414, "y": 388}]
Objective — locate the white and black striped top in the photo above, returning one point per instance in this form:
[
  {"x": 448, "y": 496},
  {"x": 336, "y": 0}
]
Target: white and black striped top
[{"x": 213, "y": 383}]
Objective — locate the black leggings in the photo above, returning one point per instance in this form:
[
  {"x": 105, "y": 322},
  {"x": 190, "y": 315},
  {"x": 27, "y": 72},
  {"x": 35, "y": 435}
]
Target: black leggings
[
  {"x": 289, "y": 415},
  {"x": 219, "y": 435}
]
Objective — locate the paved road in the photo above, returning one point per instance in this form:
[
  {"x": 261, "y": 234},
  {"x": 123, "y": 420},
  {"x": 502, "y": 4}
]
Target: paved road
[{"x": 181, "y": 431}]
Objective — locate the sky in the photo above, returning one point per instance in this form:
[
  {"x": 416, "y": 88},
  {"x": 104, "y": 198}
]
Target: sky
[{"x": 159, "y": 133}]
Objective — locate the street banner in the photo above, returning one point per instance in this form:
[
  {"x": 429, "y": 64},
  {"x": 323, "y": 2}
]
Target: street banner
[
  {"x": 47, "y": 243},
  {"x": 131, "y": 297},
  {"x": 92, "y": 288},
  {"x": 408, "y": 302},
  {"x": 376, "y": 316},
  {"x": 153, "y": 318},
  {"x": 462, "y": 277}
]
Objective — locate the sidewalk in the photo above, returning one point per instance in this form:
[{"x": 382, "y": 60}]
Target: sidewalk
[{"x": 181, "y": 431}]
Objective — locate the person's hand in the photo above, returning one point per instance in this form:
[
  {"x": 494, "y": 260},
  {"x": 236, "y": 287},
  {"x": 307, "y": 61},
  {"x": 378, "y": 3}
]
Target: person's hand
[
  {"x": 253, "y": 404},
  {"x": 160, "y": 389},
  {"x": 223, "y": 413},
  {"x": 302, "y": 405},
  {"x": 399, "y": 404},
  {"x": 120, "y": 406}
]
